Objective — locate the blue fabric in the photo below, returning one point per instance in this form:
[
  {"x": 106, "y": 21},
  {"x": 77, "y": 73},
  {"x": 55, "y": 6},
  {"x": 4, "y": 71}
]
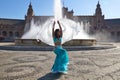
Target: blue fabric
[
  {"x": 61, "y": 61},
  {"x": 56, "y": 39}
]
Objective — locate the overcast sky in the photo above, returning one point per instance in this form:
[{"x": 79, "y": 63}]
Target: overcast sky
[{"x": 17, "y": 9}]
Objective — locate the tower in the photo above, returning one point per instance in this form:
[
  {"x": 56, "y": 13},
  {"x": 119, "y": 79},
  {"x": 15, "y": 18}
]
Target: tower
[
  {"x": 98, "y": 11},
  {"x": 99, "y": 18},
  {"x": 28, "y": 17},
  {"x": 66, "y": 13}
]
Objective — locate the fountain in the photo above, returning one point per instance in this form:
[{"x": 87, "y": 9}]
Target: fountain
[{"x": 41, "y": 34}]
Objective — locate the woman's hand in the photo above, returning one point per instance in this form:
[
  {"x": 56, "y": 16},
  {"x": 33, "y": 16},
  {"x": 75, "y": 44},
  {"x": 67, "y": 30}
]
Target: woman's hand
[{"x": 54, "y": 23}]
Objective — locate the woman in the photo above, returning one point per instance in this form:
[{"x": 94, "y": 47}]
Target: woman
[{"x": 62, "y": 60}]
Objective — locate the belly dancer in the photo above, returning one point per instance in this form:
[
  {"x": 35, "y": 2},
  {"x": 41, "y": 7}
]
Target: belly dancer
[{"x": 62, "y": 60}]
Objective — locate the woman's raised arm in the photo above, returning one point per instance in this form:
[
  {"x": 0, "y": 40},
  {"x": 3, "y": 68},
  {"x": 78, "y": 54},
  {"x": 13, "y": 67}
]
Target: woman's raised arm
[
  {"x": 60, "y": 27},
  {"x": 53, "y": 29}
]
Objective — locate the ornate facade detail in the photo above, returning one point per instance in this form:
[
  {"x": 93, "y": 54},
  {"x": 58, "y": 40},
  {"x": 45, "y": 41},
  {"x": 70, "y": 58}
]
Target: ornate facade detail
[
  {"x": 28, "y": 17},
  {"x": 99, "y": 18},
  {"x": 67, "y": 14}
]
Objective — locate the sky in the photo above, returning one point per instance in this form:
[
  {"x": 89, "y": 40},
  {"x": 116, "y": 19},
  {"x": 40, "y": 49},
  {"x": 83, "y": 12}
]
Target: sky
[{"x": 17, "y": 9}]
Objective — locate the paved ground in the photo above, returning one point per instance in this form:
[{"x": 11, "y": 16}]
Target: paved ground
[{"x": 84, "y": 65}]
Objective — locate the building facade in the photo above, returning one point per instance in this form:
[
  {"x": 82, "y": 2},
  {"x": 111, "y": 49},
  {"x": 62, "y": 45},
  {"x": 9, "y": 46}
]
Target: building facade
[
  {"x": 11, "y": 29},
  {"x": 14, "y": 28}
]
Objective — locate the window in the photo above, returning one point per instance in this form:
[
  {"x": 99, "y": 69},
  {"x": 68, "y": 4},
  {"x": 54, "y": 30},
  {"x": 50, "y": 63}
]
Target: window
[
  {"x": 95, "y": 28},
  {"x": 4, "y": 33},
  {"x": 118, "y": 33},
  {"x": 17, "y": 34},
  {"x": 98, "y": 21},
  {"x": 112, "y": 33},
  {"x": 10, "y": 33}
]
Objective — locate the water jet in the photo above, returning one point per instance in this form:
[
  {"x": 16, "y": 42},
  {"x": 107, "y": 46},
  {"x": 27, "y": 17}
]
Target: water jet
[{"x": 41, "y": 35}]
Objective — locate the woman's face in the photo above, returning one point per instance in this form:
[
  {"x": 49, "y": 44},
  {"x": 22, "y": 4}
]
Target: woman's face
[{"x": 58, "y": 33}]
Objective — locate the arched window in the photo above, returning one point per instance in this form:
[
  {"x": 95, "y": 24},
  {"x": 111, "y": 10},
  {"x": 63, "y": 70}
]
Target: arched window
[
  {"x": 4, "y": 33},
  {"x": 112, "y": 33},
  {"x": 17, "y": 34},
  {"x": 10, "y": 33},
  {"x": 118, "y": 33}
]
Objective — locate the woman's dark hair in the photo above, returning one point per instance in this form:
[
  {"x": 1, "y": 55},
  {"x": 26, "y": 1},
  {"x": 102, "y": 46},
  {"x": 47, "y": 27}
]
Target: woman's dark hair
[{"x": 56, "y": 33}]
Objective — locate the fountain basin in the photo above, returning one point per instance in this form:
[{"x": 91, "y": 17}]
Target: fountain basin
[
  {"x": 80, "y": 42},
  {"x": 74, "y": 42},
  {"x": 73, "y": 45}
]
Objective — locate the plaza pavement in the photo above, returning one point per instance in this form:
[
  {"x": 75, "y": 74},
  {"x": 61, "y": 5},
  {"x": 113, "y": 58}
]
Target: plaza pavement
[{"x": 84, "y": 65}]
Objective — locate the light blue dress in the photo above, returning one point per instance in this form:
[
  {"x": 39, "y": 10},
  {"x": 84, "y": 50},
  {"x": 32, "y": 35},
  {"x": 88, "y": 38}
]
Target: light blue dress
[{"x": 62, "y": 60}]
